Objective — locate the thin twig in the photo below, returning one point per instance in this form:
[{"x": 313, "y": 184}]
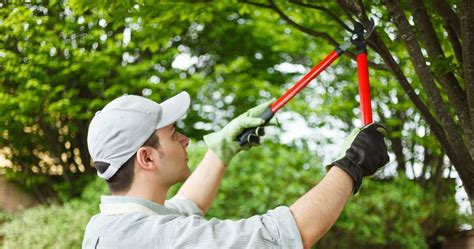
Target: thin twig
[{"x": 325, "y": 10}]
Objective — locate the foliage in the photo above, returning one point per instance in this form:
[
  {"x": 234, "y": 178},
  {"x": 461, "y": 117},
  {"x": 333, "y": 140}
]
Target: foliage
[
  {"x": 385, "y": 214},
  {"x": 53, "y": 226},
  {"x": 56, "y": 226},
  {"x": 4, "y": 216}
]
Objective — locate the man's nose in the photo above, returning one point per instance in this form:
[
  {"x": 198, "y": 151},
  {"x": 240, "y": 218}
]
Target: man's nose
[{"x": 184, "y": 140}]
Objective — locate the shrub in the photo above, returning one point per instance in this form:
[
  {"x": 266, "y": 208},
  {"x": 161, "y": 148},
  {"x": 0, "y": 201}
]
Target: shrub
[{"x": 54, "y": 226}]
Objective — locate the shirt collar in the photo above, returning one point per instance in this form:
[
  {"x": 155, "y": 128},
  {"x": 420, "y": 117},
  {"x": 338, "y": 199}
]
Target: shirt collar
[{"x": 111, "y": 205}]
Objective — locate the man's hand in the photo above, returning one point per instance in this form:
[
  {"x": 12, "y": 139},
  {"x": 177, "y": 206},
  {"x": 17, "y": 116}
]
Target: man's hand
[
  {"x": 364, "y": 151},
  {"x": 224, "y": 142}
]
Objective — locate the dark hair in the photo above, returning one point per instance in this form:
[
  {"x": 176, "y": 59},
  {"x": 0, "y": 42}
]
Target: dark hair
[{"x": 122, "y": 180}]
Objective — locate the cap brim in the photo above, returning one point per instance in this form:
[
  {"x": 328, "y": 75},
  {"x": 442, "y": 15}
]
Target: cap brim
[{"x": 174, "y": 109}]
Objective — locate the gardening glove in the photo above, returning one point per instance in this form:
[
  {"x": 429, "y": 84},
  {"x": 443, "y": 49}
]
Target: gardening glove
[
  {"x": 224, "y": 142},
  {"x": 363, "y": 152}
]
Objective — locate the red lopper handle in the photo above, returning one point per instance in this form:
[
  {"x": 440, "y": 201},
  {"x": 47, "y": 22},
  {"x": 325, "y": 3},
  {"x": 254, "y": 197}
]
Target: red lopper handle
[{"x": 364, "y": 88}]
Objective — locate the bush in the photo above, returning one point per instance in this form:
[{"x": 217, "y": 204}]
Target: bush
[
  {"x": 5, "y": 217},
  {"x": 54, "y": 226},
  {"x": 48, "y": 226}
]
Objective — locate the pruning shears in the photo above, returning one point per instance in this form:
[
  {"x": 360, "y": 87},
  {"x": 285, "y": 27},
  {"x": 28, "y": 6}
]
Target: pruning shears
[{"x": 358, "y": 38}]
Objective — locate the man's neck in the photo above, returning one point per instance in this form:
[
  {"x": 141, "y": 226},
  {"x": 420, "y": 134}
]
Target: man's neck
[{"x": 157, "y": 195}]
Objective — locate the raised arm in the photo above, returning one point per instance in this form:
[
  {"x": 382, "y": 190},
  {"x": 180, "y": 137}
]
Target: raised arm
[
  {"x": 201, "y": 187},
  {"x": 317, "y": 210}
]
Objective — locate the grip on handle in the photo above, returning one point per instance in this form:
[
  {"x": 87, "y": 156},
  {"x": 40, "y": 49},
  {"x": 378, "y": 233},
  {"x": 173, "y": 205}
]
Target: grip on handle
[
  {"x": 252, "y": 134},
  {"x": 364, "y": 88}
]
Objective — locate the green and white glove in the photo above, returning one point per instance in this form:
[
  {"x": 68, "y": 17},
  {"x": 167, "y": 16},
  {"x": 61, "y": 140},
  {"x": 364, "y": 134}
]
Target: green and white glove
[{"x": 224, "y": 142}]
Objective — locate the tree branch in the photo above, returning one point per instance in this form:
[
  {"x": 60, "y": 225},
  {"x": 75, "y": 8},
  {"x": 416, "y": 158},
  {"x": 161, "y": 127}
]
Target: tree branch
[
  {"x": 449, "y": 82},
  {"x": 448, "y": 15},
  {"x": 325, "y": 10},
  {"x": 311, "y": 32},
  {"x": 452, "y": 26},
  {"x": 256, "y": 4},
  {"x": 455, "y": 44},
  {"x": 350, "y": 8},
  {"x": 462, "y": 161},
  {"x": 467, "y": 37}
]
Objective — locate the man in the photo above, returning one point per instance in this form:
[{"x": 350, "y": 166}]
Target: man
[{"x": 137, "y": 150}]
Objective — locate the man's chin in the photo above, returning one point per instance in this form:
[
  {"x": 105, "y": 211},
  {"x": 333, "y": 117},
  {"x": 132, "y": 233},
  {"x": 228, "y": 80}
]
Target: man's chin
[{"x": 186, "y": 174}]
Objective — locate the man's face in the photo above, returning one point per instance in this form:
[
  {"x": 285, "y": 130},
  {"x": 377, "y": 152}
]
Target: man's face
[{"x": 171, "y": 155}]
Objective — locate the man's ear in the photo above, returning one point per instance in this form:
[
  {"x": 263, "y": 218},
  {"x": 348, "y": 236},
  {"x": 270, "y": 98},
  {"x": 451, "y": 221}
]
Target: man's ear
[{"x": 144, "y": 159}]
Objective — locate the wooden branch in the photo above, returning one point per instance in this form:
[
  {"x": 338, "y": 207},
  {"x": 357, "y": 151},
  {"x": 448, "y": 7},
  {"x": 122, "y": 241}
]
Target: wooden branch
[
  {"x": 448, "y": 15},
  {"x": 452, "y": 25},
  {"x": 397, "y": 147},
  {"x": 325, "y": 10},
  {"x": 461, "y": 159},
  {"x": 438, "y": 173},
  {"x": 426, "y": 164},
  {"x": 51, "y": 137},
  {"x": 361, "y": 8},
  {"x": 350, "y": 8},
  {"x": 467, "y": 37},
  {"x": 256, "y": 4},
  {"x": 396, "y": 142},
  {"x": 455, "y": 44},
  {"x": 448, "y": 80},
  {"x": 311, "y": 32},
  {"x": 412, "y": 161},
  {"x": 82, "y": 145}
]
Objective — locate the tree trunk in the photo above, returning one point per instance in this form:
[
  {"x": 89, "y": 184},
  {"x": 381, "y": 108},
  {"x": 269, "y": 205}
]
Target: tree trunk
[{"x": 461, "y": 157}]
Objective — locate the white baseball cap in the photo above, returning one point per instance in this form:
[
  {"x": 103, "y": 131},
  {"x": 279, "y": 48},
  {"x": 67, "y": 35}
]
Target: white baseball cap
[{"x": 123, "y": 126}]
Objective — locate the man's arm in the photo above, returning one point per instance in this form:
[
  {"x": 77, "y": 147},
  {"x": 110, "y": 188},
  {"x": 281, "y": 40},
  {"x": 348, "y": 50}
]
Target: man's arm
[
  {"x": 317, "y": 210},
  {"x": 201, "y": 187}
]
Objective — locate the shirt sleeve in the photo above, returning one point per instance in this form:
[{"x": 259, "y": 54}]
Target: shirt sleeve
[
  {"x": 275, "y": 229},
  {"x": 183, "y": 206}
]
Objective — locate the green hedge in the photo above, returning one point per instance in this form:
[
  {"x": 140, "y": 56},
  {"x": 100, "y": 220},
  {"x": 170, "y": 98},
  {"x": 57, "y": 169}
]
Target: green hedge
[{"x": 385, "y": 214}]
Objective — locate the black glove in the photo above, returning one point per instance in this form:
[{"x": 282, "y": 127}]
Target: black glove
[{"x": 366, "y": 153}]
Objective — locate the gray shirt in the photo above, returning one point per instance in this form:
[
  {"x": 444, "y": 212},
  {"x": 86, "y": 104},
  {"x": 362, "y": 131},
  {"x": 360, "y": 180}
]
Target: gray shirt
[{"x": 129, "y": 222}]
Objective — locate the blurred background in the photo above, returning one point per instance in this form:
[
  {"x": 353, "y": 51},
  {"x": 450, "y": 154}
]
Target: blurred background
[{"x": 61, "y": 61}]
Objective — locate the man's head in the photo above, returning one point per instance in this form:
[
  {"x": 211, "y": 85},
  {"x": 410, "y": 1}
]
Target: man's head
[{"x": 133, "y": 135}]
